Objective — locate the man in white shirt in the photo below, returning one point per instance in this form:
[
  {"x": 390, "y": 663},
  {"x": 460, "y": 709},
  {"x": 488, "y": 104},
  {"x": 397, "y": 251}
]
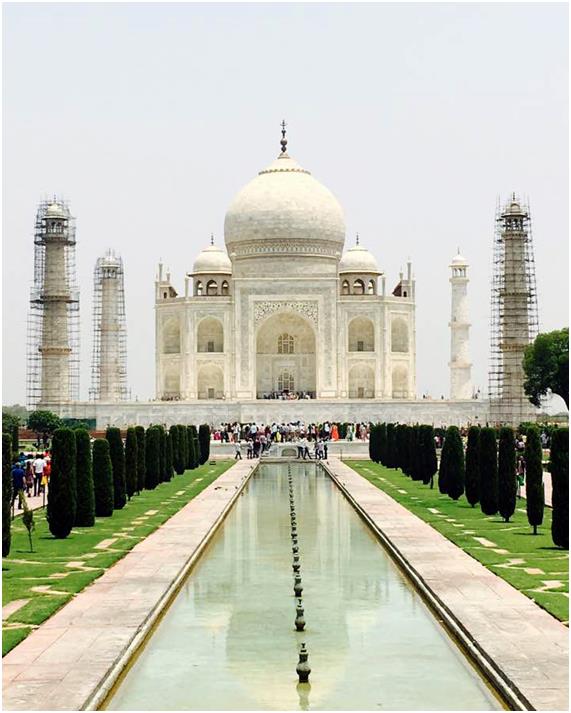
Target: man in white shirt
[{"x": 38, "y": 467}]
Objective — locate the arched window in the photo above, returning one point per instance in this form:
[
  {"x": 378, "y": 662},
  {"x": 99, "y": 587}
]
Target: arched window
[
  {"x": 211, "y": 287},
  {"x": 345, "y": 287},
  {"x": 399, "y": 335},
  {"x": 358, "y": 287},
  {"x": 371, "y": 287},
  {"x": 199, "y": 288},
  {"x": 400, "y": 382},
  {"x": 224, "y": 288},
  {"x": 285, "y": 344},
  {"x": 361, "y": 335},
  {"x": 286, "y": 381},
  {"x": 210, "y": 336}
]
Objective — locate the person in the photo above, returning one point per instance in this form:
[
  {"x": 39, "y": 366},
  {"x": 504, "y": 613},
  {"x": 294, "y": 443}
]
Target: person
[
  {"x": 29, "y": 477},
  {"x": 18, "y": 479},
  {"x": 238, "y": 450},
  {"x": 300, "y": 449},
  {"x": 520, "y": 474},
  {"x": 38, "y": 465}
]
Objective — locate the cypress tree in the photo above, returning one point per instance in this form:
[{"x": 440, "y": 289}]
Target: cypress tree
[
  {"x": 6, "y": 494},
  {"x": 374, "y": 443},
  {"x": 560, "y": 483},
  {"x": 183, "y": 441},
  {"x": 401, "y": 447},
  {"x": 473, "y": 466},
  {"x": 443, "y": 468},
  {"x": 204, "y": 440},
  {"x": 191, "y": 455},
  {"x": 162, "y": 454},
  {"x": 169, "y": 472},
  {"x": 117, "y": 453},
  {"x": 534, "y": 478},
  {"x": 196, "y": 446},
  {"x": 62, "y": 501},
  {"x": 391, "y": 446},
  {"x": 383, "y": 443},
  {"x": 152, "y": 457},
  {"x": 415, "y": 452},
  {"x": 102, "y": 478},
  {"x": 131, "y": 475},
  {"x": 507, "y": 482},
  {"x": 85, "y": 509},
  {"x": 141, "y": 467},
  {"x": 173, "y": 433},
  {"x": 488, "y": 471},
  {"x": 455, "y": 473}
]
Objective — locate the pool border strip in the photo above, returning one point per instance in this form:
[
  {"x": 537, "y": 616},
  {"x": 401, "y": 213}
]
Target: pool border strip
[
  {"x": 504, "y": 686},
  {"x": 96, "y": 699}
]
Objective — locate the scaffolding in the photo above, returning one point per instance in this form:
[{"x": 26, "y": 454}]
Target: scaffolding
[
  {"x": 109, "y": 359},
  {"x": 52, "y": 342},
  {"x": 514, "y": 319}
]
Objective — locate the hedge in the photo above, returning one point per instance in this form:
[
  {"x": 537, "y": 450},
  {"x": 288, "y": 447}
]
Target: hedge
[
  {"x": 473, "y": 466},
  {"x": 204, "y": 440},
  {"x": 141, "y": 466},
  {"x": 534, "y": 496},
  {"x": 152, "y": 457}
]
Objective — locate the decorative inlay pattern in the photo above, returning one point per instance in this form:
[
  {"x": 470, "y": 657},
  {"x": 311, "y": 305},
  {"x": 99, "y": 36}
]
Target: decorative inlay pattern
[{"x": 305, "y": 309}]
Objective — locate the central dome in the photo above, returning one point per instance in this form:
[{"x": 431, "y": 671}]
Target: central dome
[{"x": 284, "y": 211}]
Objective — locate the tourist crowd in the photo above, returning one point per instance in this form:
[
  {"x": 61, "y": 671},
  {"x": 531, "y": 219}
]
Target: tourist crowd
[{"x": 30, "y": 474}]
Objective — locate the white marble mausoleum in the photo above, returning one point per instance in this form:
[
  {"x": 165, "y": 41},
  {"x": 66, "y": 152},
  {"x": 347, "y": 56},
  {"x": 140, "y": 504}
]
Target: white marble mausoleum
[{"x": 282, "y": 309}]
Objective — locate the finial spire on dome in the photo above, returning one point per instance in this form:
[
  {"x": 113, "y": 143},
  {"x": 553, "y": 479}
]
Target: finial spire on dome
[
  {"x": 357, "y": 239},
  {"x": 212, "y": 238},
  {"x": 283, "y": 142}
]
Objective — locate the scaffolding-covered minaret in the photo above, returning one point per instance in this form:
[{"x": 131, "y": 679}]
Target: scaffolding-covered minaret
[
  {"x": 53, "y": 323},
  {"x": 109, "y": 366},
  {"x": 460, "y": 364},
  {"x": 514, "y": 315}
]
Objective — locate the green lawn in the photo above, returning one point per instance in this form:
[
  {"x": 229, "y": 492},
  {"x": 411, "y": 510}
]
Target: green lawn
[
  {"x": 529, "y": 563},
  {"x": 61, "y": 568}
]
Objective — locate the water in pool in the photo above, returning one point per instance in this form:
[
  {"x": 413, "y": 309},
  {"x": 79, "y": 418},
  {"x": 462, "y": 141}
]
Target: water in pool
[{"x": 228, "y": 642}]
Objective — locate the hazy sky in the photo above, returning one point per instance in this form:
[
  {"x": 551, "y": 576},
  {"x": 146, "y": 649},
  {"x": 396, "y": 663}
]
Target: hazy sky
[{"x": 149, "y": 118}]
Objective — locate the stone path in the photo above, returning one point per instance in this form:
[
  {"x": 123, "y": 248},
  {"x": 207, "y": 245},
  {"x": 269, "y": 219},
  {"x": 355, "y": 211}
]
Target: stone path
[
  {"x": 62, "y": 664},
  {"x": 528, "y": 645}
]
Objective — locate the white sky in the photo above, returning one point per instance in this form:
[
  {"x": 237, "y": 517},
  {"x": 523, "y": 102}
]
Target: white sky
[{"x": 149, "y": 118}]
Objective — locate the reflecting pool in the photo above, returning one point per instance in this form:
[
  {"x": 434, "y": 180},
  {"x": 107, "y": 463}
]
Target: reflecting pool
[{"x": 228, "y": 641}]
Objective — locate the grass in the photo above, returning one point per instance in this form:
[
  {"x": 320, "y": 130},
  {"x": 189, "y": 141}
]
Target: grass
[
  {"x": 531, "y": 564},
  {"x": 67, "y": 566}
]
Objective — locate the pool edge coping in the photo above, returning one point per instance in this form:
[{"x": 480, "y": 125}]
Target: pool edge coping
[
  {"x": 95, "y": 700},
  {"x": 489, "y": 668}
]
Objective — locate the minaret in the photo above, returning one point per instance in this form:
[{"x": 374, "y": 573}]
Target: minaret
[
  {"x": 109, "y": 373},
  {"x": 460, "y": 364},
  {"x": 514, "y": 321},
  {"x": 53, "y": 327}
]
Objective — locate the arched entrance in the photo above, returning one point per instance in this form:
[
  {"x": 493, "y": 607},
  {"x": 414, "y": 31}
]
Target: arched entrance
[
  {"x": 210, "y": 382},
  {"x": 285, "y": 356}
]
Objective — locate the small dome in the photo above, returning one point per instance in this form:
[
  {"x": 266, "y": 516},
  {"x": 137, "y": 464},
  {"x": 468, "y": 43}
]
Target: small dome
[
  {"x": 212, "y": 260},
  {"x": 459, "y": 260},
  {"x": 359, "y": 259},
  {"x": 55, "y": 210}
]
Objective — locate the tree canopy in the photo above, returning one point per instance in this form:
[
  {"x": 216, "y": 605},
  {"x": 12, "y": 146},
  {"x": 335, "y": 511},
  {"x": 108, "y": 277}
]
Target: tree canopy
[
  {"x": 44, "y": 422},
  {"x": 546, "y": 366}
]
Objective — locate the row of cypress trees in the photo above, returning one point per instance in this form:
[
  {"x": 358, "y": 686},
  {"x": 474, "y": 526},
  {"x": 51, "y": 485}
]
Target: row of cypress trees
[
  {"x": 85, "y": 485},
  {"x": 486, "y": 472},
  {"x": 410, "y": 448}
]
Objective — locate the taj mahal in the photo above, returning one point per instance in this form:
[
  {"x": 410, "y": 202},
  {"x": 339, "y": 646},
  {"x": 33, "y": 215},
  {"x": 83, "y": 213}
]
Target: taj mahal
[{"x": 284, "y": 321}]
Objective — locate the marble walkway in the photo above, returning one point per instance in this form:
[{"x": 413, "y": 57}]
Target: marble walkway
[
  {"x": 60, "y": 666},
  {"x": 528, "y": 646}
]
